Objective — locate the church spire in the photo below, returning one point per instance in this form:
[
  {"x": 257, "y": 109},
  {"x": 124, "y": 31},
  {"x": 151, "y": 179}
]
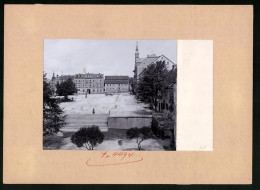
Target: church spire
[{"x": 136, "y": 51}]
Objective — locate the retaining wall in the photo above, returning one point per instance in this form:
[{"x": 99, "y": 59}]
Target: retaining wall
[{"x": 129, "y": 122}]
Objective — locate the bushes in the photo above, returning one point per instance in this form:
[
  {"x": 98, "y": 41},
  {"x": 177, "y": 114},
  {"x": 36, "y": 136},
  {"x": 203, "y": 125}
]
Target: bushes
[
  {"x": 66, "y": 88},
  {"x": 140, "y": 134},
  {"x": 158, "y": 132},
  {"x": 88, "y": 137}
]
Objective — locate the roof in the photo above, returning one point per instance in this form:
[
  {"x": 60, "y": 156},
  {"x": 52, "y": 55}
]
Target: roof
[
  {"x": 168, "y": 59},
  {"x": 116, "y": 79},
  {"x": 138, "y": 60},
  {"x": 65, "y": 77},
  {"x": 140, "y": 74},
  {"x": 88, "y": 76},
  {"x": 149, "y": 60}
]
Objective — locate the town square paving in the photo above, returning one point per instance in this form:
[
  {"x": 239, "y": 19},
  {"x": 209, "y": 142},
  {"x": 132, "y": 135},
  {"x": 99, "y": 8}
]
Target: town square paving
[{"x": 123, "y": 104}]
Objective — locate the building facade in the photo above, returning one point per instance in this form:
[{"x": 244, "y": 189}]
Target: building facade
[
  {"x": 166, "y": 100},
  {"x": 89, "y": 83},
  {"x": 142, "y": 63},
  {"x": 116, "y": 84}
]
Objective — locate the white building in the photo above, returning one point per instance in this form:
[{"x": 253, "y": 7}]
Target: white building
[
  {"x": 142, "y": 63},
  {"x": 89, "y": 83},
  {"x": 116, "y": 84}
]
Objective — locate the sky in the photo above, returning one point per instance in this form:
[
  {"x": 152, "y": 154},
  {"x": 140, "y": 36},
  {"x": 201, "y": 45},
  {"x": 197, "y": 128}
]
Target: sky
[{"x": 109, "y": 57}]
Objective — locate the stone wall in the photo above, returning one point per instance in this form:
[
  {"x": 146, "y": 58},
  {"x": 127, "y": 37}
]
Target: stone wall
[{"x": 129, "y": 122}]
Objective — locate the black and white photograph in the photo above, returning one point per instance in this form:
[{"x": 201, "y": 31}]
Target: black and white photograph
[
  {"x": 127, "y": 94},
  {"x": 109, "y": 94}
]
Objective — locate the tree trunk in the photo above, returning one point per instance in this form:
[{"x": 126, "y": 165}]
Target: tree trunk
[{"x": 139, "y": 144}]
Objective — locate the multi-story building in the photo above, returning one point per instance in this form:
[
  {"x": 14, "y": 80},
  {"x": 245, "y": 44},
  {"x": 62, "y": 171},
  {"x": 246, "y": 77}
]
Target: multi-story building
[
  {"x": 89, "y": 83},
  {"x": 142, "y": 63},
  {"x": 85, "y": 83},
  {"x": 166, "y": 100},
  {"x": 116, "y": 84}
]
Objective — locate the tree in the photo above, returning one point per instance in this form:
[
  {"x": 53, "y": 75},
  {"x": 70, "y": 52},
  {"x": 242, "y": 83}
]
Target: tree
[
  {"x": 132, "y": 83},
  {"x": 52, "y": 113},
  {"x": 66, "y": 88},
  {"x": 140, "y": 134},
  {"x": 152, "y": 83},
  {"x": 170, "y": 80},
  {"x": 88, "y": 137}
]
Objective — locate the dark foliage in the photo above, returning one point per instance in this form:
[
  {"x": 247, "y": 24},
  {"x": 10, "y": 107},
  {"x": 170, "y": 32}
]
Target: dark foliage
[
  {"x": 66, "y": 99},
  {"x": 152, "y": 83},
  {"x": 155, "y": 82},
  {"x": 140, "y": 134},
  {"x": 88, "y": 137},
  {"x": 157, "y": 131},
  {"x": 66, "y": 88},
  {"x": 171, "y": 78},
  {"x": 52, "y": 113}
]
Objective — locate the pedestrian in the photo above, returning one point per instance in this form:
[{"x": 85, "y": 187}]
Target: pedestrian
[{"x": 93, "y": 111}]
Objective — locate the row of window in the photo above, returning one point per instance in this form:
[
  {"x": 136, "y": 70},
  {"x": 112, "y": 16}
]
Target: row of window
[
  {"x": 116, "y": 84},
  {"x": 87, "y": 85},
  {"x": 100, "y": 85},
  {"x": 121, "y": 89},
  {"x": 88, "y": 80},
  {"x": 93, "y": 90},
  {"x": 101, "y": 90}
]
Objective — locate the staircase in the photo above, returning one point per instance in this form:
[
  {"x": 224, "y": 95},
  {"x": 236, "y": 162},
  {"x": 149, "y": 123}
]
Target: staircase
[{"x": 76, "y": 121}]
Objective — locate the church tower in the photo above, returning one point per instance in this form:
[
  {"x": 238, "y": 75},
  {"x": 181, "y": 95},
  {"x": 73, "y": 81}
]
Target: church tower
[
  {"x": 53, "y": 76},
  {"x": 136, "y": 57},
  {"x": 136, "y": 52}
]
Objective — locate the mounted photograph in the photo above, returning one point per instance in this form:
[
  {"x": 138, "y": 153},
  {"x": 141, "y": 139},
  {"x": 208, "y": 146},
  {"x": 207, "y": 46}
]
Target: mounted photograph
[{"x": 109, "y": 95}]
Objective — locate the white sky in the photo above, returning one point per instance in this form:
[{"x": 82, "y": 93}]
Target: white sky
[{"x": 109, "y": 57}]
